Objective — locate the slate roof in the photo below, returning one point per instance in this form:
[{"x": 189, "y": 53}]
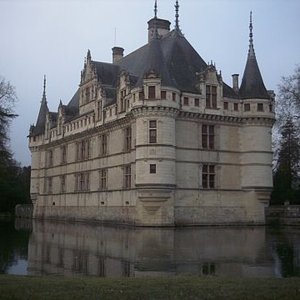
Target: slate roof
[
  {"x": 39, "y": 128},
  {"x": 252, "y": 83},
  {"x": 174, "y": 60},
  {"x": 172, "y": 57}
]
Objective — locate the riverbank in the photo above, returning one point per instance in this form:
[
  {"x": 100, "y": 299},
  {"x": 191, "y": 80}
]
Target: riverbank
[{"x": 181, "y": 287}]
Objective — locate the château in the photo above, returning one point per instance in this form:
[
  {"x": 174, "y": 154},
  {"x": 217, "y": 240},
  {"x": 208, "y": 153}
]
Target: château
[{"x": 156, "y": 138}]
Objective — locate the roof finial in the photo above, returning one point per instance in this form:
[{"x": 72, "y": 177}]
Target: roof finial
[
  {"x": 89, "y": 57},
  {"x": 44, "y": 90},
  {"x": 251, "y": 33},
  {"x": 177, "y": 16},
  {"x": 155, "y": 9}
]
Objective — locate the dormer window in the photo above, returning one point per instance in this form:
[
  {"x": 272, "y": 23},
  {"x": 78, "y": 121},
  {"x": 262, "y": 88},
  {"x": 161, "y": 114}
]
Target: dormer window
[
  {"x": 211, "y": 96},
  {"x": 151, "y": 92},
  {"x": 186, "y": 101},
  {"x": 141, "y": 95}
]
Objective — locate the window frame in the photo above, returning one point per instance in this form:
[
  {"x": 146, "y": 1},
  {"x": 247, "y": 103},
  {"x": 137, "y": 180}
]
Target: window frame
[
  {"x": 211, "y": 96},
  {"x": 152, "y": 169},
  {"x": 208, "y": 176},
  {"x": 152, "y": 131},
  {"x": 127, "y": 177},
  {"x": 151, "y": 92},
  {"x": 208, "y": 136}
]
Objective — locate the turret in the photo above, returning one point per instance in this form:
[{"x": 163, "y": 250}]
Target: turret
[
  {"x": 256, "y": 133},
  {"x": 252, "y": 86},
  {"x": 39, "y": 128}
]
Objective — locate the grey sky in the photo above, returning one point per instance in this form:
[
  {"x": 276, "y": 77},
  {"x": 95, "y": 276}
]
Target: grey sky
[{"x": 52, "y": 37}]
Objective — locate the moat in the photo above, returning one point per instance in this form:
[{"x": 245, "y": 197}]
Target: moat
[{"x": 48, "y": 248}]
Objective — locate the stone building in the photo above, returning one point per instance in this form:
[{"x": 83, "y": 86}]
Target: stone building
[{"x": 156, "y": 138}]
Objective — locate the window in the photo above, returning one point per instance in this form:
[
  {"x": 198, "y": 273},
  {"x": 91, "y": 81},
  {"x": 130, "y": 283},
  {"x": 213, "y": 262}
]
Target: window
[
  {"x": 128, "y": 138},
  {"x": 63, "y": 183},
  {"x": 49, "y": 185},
  {"x": 99, "y": 110},
  {"x": 174, "y": 96},
  {"x": 271, "y": 108},
  {"x": 226, "y": 105},
  {"x": 235, "y": 106},
  {"x": 211, "y": 96},
  {"x": 208, "y": 176},
  {"x": 83, "y": 150},
  {"x": 152, "y": 132},
  {"x": 208, "y": 136},
  {"x": 163, "y": 95},
  {"x": 185, "y": 101},
  {"x": 127, "y": 177},
  {"x": 152, "y": 168},
  {"x": 197, "y": 102},
  {"x": 151, "y": 92},
  {"x": 103, "y": 144},
  {"x": 103, "y": 179},
  {"x": 141, "y": 95},
  {"x": 64, "y": 154},
  {"x": 82, "y": 182},
  {"x": 50, "y": 158},
  {"x": 260, "y": 107},
  {"x": 247, "y": 106}
]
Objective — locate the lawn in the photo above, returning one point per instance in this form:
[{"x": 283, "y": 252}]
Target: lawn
[{"x": 26, "y": 287}]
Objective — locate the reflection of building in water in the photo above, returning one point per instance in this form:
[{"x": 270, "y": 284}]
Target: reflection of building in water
[{"x": 69, "y": 249}]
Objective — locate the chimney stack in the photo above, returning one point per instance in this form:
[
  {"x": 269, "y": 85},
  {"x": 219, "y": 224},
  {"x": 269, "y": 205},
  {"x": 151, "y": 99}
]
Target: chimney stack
[
  {"x": 162, "y": 27},
  {"x": 117, "y": 53},
  {"x": 235, "y": 82}
]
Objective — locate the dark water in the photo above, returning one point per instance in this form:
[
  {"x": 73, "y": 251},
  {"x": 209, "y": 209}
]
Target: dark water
[{"x": 43, "y": 248}]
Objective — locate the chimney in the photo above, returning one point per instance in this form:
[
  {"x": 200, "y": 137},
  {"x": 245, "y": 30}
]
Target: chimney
[
  {"x": 117, "y": 53},
  {"x": 162, "y": 27},
  {"x": 235, "y": 82}
]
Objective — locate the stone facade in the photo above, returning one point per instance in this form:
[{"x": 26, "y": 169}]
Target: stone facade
[{"x": 156, "y": 138}]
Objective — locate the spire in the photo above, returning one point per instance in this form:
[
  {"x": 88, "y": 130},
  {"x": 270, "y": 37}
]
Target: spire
[
  {"x": 155, "y": 9},
  {"x": 89, "y": 57},
  {"x": 44, "y": 98},
  {"x": 177, "y": 16},
  {"x": 41, "y": 119},
  {"x": 251, "y": 47},
  {"x": 252, "y": 83}
]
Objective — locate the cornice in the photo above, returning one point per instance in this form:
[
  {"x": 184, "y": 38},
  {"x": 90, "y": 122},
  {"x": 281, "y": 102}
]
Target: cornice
[{"x": 141, "y": 111}]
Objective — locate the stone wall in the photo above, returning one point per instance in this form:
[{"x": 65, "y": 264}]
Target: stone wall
[{"x": 283, "y": 215}]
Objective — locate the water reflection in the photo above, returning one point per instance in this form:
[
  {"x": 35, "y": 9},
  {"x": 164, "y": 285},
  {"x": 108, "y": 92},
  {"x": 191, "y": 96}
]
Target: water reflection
[{"x": 58, "y": 248}]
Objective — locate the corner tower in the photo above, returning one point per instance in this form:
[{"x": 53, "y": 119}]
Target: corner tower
[{"x": 256, "y": 134}]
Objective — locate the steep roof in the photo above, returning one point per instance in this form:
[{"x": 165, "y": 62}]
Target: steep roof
[
  {"x": 107, "y": 73},
  {"x": 252, "y": 83},
  {"x": 39, "y": 127},
  {"x": 172, "y": 57}
]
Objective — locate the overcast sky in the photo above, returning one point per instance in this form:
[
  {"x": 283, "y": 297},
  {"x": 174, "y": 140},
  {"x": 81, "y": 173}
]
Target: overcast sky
[{"x": 52, "y": 37}]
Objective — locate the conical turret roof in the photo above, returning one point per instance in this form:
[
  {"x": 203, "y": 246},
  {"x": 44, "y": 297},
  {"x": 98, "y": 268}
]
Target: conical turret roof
[
  {"x": 39, "y": 128},
  {"x": 252, "y": 83}
]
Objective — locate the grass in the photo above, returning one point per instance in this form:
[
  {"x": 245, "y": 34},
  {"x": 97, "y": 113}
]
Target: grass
[{"x": 181, "y": 287}]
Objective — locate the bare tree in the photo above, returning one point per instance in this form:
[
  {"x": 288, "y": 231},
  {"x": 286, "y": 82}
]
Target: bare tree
[{"x": 7, "y": 100}]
